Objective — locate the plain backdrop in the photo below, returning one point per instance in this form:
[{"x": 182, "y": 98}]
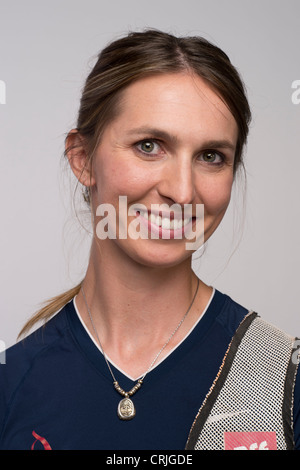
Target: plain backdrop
[{"x": 47, "y": 49}]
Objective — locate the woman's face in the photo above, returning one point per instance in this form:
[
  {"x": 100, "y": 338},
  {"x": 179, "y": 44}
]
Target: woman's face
[{"x": 173, "y": 142}]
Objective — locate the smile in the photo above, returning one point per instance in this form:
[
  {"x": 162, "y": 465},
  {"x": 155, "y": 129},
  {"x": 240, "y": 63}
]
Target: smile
[
  {"x": 165, "y": 222},
  {"x": 158, "y": 223}
]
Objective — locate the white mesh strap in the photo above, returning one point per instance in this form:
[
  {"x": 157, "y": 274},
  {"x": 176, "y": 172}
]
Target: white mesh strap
[{"x": 253, "y": 390}]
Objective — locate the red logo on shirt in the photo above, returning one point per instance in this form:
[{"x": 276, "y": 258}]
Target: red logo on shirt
[
  {"x": 42, "y": 440},
  {"x": 250, "y": 441}
]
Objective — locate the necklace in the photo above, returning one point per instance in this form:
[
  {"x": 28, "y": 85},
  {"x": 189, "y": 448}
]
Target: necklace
[{"x": 126, "y": 409}]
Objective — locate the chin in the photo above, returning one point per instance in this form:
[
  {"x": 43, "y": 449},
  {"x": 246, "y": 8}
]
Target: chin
[{"x": 161, "y": 256}]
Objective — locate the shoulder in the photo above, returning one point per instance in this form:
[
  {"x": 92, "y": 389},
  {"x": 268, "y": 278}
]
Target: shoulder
[
  {"x": 259, "y": 337},
  {"x": 235, "y": 318},
  {"x": 27, "y": 349},
  {"x": 275, "y": 350},
  {"x": 277, "y": 353},
  {"x": 20, "y": 358},
  {"x": 230, "y": 314}
]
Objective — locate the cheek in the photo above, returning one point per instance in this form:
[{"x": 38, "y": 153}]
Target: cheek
[
  {"x": 114, "y": 180},
  {"x": 215, "y": 195}
]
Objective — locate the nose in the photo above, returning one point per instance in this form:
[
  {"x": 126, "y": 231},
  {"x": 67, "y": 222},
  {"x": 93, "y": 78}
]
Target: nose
[{"x": 177, "y": 182}]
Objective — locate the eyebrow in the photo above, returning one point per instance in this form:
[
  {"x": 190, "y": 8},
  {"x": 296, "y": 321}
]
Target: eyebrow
[{"x": 160, "y": 134}]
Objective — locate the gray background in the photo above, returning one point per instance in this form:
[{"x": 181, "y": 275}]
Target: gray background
[{"x": 46, "y": 50}]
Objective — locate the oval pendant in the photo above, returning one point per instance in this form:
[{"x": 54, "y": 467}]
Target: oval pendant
[{"x": 126, "y": 409}]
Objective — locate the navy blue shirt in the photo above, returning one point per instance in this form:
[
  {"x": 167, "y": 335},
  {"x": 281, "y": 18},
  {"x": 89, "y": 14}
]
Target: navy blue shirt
[{"x": 56, "y": 387}]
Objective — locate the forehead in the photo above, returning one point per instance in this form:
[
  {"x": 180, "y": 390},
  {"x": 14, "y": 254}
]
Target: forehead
[{"x": 182, "y": 103}]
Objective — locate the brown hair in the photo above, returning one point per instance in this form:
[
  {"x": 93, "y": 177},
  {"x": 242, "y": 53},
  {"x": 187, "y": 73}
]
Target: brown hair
[{"x": 133, "y": 57}]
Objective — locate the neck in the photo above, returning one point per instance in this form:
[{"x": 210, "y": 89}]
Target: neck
[{"x": 136, "y": 308}]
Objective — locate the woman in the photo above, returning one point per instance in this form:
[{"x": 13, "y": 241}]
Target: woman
[{"x": 142, "y": 354}]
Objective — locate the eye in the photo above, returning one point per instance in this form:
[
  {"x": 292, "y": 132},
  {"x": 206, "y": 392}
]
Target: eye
[
  {"x": 211, "y": 156},
  {"x": 149, "y": 147}
]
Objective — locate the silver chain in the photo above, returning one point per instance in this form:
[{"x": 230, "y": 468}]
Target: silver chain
[{"x": 158, "y": 354}]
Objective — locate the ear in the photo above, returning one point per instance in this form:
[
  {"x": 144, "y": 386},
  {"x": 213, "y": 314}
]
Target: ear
[{"x": 75, "y": 149}]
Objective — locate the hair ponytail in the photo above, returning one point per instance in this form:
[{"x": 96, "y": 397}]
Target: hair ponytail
[{"x": 52, "y": 306}]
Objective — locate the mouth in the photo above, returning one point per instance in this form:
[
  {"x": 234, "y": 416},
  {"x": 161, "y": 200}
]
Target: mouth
[
  {"x": 165, "y": 225},
  {"x": 168, "y": 222}
]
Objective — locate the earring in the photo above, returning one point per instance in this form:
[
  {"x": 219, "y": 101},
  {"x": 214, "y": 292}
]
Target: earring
[{"x": 86, "y": 194}]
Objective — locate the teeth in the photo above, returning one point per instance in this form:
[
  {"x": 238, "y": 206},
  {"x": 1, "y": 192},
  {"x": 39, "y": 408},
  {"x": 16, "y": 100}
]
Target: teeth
[
  {"x": 158, "y": 220},
  {"x": 152, "y": 218},
  {"x": 165, "y": 222}
]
